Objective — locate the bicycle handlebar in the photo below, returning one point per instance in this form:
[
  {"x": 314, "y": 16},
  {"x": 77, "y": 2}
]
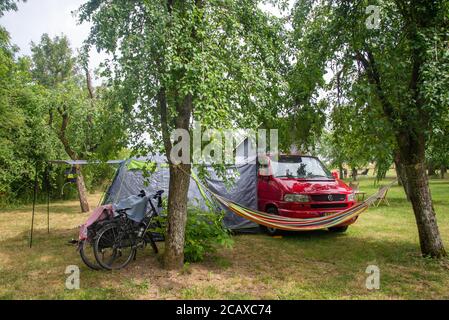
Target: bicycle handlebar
[
  {"x": 158, "y": 194},
  {"x": 155, "y": 196}
]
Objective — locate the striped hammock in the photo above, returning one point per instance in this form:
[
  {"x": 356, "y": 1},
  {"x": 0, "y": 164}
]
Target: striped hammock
[{"x": 293, "y": 224}]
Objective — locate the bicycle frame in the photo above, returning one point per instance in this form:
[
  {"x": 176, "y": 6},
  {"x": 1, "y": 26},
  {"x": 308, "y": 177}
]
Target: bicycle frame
[
  {"x": 150, "y": 216},
  {"x": 151, "y": 213},
  {"x": 129, "y": 234}
]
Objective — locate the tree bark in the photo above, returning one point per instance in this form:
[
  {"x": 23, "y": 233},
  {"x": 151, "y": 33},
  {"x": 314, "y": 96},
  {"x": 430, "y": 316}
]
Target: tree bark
[
  {"x": 178, "y": 185},
  {"x": 177, "y": 217},
  {"x": 431, "y": 169},
  {"x": 398, "y": 175},
  {"x": 442, "y": 171},
  {"x": 82, "y": 192},
  {"x": 354, "y": 174},
  {"x": 412, "y": 157},
  {"x": 81, "y": 186},
  {"x": 90, "y": 87},
  {"x": 429, "y": 235},
  {"x": 400, "y": 172}
]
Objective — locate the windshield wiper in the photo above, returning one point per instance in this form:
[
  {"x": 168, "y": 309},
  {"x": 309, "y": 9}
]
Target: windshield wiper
[
  {"x": 304, "y": 177},
  {"x": 318, "y": 176}
]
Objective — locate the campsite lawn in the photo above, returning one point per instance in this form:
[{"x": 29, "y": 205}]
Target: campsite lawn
[{"x": 313, "y": 265}]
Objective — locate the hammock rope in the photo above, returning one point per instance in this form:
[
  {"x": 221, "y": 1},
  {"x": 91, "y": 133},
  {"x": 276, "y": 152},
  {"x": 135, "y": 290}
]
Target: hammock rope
[{"x": 292, "y": 224}]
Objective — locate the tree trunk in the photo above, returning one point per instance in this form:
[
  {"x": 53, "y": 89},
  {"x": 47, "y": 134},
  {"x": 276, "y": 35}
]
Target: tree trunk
[
  {"x": 431, "y": 169},
  {"x": 178, "y": 185},
  {"x": 398, "y": 175},
  {"x": 412, "y": 157},
  {"x": 354, "y": 174},
  {"x": 340, "y": 168},
  {"x": 81, "y": 186},
  {"x": 429, "y": 235},
  {"x": 90, "y": 87},
  {"x": 442, "y": 171},
  {"x": 410, "y": 136},
  {"x": 400, "y": 172},
  {"x": 82, "y": 192},
  {"x": 177, "y": 217}
]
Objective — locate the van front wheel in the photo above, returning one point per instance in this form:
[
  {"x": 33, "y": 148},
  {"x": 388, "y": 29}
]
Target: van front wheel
[{"x": 268, "y": 230}]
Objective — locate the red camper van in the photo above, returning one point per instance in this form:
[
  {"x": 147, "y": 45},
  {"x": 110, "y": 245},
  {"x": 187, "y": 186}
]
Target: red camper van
[{"x": 301, "y": 187}]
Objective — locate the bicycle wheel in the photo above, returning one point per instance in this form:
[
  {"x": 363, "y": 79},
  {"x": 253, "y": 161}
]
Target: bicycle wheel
[
  {"x": 113, "y": 248},
  {"x": 87, "y": 254}
]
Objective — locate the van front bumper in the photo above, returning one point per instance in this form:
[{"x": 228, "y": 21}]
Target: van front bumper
[{"x": 305, "y": 211}]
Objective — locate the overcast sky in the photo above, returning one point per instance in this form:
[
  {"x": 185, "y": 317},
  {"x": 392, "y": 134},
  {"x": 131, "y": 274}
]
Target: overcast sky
[{"x": 36, "y": 17}]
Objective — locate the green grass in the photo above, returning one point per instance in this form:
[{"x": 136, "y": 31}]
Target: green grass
[{"x": 312, "y": 265}]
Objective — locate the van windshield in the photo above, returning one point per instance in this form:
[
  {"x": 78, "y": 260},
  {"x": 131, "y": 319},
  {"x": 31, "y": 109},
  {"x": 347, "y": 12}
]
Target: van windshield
[{"x": 300, "y": 168}]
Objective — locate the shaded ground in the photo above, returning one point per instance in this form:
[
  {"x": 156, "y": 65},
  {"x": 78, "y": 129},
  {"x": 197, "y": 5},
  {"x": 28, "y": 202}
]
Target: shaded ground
[{"x": 313, "y": 265}]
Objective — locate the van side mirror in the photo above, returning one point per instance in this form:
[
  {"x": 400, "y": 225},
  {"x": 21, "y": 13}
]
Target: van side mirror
[
  {"x": 264, "y": 171},
  {"x": 264, "y": 174},
  {"x": 335, "y": 175}
]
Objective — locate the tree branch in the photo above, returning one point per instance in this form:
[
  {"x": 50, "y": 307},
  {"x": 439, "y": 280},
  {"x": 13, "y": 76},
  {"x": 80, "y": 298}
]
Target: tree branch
[
  {"x": 61, "y": 134},
  {"x": 162, "y": 101},
  {"x": 90, "y": 88},
  {"x": 369, "y": 64}
]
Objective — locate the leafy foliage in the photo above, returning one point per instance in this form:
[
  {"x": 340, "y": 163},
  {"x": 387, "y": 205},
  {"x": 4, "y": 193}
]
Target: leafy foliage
[
  {"x": 8, "y": 5},
  {"x": 224, "y": 54},
  {"x": 88, "y": 124},
  {"x": 32, "y": 92},
  {"x": 24, "y": 139},
  {"x": 205, "y": 234},
  {"x": 53, "y": 61}
]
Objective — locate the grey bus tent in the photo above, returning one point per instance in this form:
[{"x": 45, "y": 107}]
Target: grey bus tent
[{"x": 130, "y": 179}]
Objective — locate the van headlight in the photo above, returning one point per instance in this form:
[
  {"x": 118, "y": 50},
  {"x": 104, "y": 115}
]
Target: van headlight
[
  {"x": 351, "y": 196},
  {"x": 296, "y": 198}
]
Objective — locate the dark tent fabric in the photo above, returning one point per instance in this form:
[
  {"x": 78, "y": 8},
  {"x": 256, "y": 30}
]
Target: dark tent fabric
[{"x": 128, "y": 182}]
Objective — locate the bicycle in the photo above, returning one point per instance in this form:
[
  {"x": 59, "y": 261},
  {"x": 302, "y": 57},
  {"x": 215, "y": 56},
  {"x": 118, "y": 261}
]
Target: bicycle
[
  {"x": 116, "y": 244},
  {"x": 86, "y": 247}
]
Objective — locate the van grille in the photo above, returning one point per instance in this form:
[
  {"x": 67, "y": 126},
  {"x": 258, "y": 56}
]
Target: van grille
[
  {"x": 329, "y": 206},
  {"x": 328, "y": 197}
]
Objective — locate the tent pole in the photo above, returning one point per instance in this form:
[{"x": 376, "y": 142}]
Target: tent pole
[
  {"x": 34, "y": 205},
  {"x": 48, "y": 197},
  {"x": 108, "y": 186}
]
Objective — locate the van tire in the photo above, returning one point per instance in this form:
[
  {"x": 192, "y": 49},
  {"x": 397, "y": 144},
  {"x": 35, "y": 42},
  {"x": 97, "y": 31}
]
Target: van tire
[
  {"x": 338, "y": 229},
  {"x": 271, "y": 231}
]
